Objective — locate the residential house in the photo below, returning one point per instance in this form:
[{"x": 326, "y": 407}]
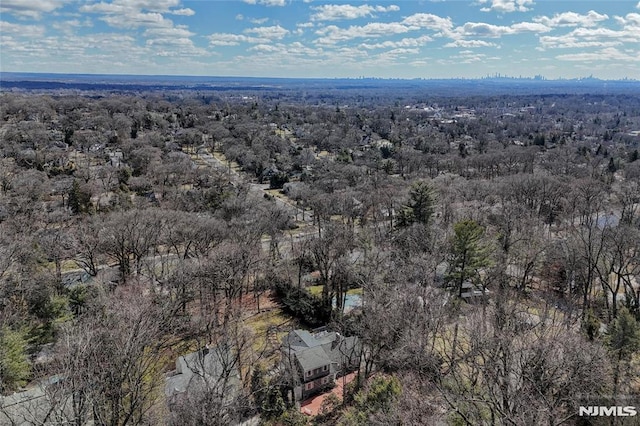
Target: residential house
[
  {"x": 317, "y": 358},
  {"x": 470, "y": 291},
  {"x": 207, "y": 370},
  {"x": 45, "y": 403}
]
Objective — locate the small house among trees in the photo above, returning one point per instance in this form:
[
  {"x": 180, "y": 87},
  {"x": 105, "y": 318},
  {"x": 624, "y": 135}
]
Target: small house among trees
[
  {"x": 316, "y": 359},
  {"x": 202, "y": 375}
]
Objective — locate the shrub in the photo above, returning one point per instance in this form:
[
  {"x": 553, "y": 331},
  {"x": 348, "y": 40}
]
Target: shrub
[{"x": 301, "y": 304}]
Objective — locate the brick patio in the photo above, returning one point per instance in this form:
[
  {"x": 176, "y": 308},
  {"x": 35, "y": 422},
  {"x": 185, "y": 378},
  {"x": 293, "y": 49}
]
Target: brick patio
[{"x": 311, "y": 406}]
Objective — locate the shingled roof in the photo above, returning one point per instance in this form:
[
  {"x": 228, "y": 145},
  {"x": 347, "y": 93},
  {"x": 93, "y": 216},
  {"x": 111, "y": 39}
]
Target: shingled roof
[{"x": 317, "y": 350}]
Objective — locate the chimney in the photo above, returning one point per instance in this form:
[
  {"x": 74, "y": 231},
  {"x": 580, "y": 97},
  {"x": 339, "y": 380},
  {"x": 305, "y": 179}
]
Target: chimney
[{"x": 336, "y": 341}]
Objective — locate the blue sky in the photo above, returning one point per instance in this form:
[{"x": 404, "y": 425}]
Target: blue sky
[{"x": 311, "y": 38}]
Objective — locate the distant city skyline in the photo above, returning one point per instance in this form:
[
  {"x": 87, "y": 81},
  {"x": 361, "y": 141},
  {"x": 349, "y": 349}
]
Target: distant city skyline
[{"x": 318, "y": 39}]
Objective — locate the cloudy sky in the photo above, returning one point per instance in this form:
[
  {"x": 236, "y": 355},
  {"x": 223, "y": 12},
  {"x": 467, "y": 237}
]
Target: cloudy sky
[{"x": 314, "y": 38}]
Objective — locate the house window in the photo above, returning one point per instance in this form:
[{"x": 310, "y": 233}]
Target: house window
[
  {"x": 308, "y": 386},
  {"x": 325, "y": 380},
  {"x": 308, "y": 373},
  {"x": 324, "y": 368}
]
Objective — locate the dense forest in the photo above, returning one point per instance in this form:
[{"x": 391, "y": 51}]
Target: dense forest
[{"x": 491, "y": 243}]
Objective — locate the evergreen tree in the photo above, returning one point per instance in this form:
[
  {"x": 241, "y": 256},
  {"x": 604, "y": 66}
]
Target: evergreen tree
[
  {"x": 420, "y": 207},
  {"x": 79, "y": 199},
  {"x": 258, "y": 385},
  {"x": 14, "y": 365},
  {"x": 623, "y": 339},
  {"x": 468, "y": 254}
]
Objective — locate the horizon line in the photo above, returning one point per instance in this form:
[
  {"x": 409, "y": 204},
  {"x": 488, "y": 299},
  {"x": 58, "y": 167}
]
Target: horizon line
[{"x": 496, "y": 76}]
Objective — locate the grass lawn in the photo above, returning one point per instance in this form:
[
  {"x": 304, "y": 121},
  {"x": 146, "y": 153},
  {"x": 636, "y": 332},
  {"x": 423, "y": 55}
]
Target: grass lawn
[
  {"x": 68, "y": 265},
  {"x": 315, "y": 290},
  {"x": 262, "y": 322},
  {"x": 220, "y": 157}
]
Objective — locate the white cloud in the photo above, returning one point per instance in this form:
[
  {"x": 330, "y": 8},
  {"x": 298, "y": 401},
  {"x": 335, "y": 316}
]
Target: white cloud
[
  {"x": 394, "y": 54},
  {"x": 162, "y": 37},
  {"x": 594, "y": 37},
  {"x": 154, "y": 5},
  {"x": 174, "y": 47},
  {"x": 482, "y": 29},
  {"x": 109, "y": 45},
  {"x": 572, "y": 43},
  {"x": 630, "y": 20},
  {"x": 39, "y": 50},
  {"x": 288, "y": 58},
  {"x": 136, "y": 20},
  {"x": 98, "y": 51},
  {"x": 258, "y": 21},
  {"x": 300, "y": 28},
  {"x": 507, "y": 6},
  {"x": 529, "y": 27},
  {"x": 333, "y": 34},
  {"x": 267, "y": 2},
  {"x": 268, "y": 48},
  {"x": 597, "y": 34},
  {"x": 137, "y": 13},
  {"x": 467, "y": 57},
  {"x": 427, "y": 20},
  {"x": 572, "y": 19},
  {"x": 68, "y": 27},
  {"x": 223, "y": 39},
  {"x": 274, "y": 32},
  {"x": 179, "y": 32},
  {"x": 122, "y": 6},
  {"x": 183, "y": 12},
  {"x": 297, "y": 48},
  {"x": 226, "y": 39},
  {"x": 355, "y": 58},
  {"x": 469, "y": 44},
  {"x": 405, "y": 42},
  {"x": 108, "y": 41},
  {"x": 607, "y": 54},
  {"x": 349, "y": 54},
  {"x": 29, "y": 9},
  {"x": 638, "y": 5},
  {"x": 105, "y": 8},
  {"x": 334, "y": 12},
  {"x": 19, "y": 30}
]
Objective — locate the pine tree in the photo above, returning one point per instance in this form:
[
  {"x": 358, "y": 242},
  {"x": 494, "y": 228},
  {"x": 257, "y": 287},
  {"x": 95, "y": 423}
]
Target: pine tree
[
  {"x": 420, "y": 207},
  {"x": 79, "y": 199},
  {"x": 623, "y": 339},
  {"x": 14, "y": 366},
  {"x": 468, "y": 254}
]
